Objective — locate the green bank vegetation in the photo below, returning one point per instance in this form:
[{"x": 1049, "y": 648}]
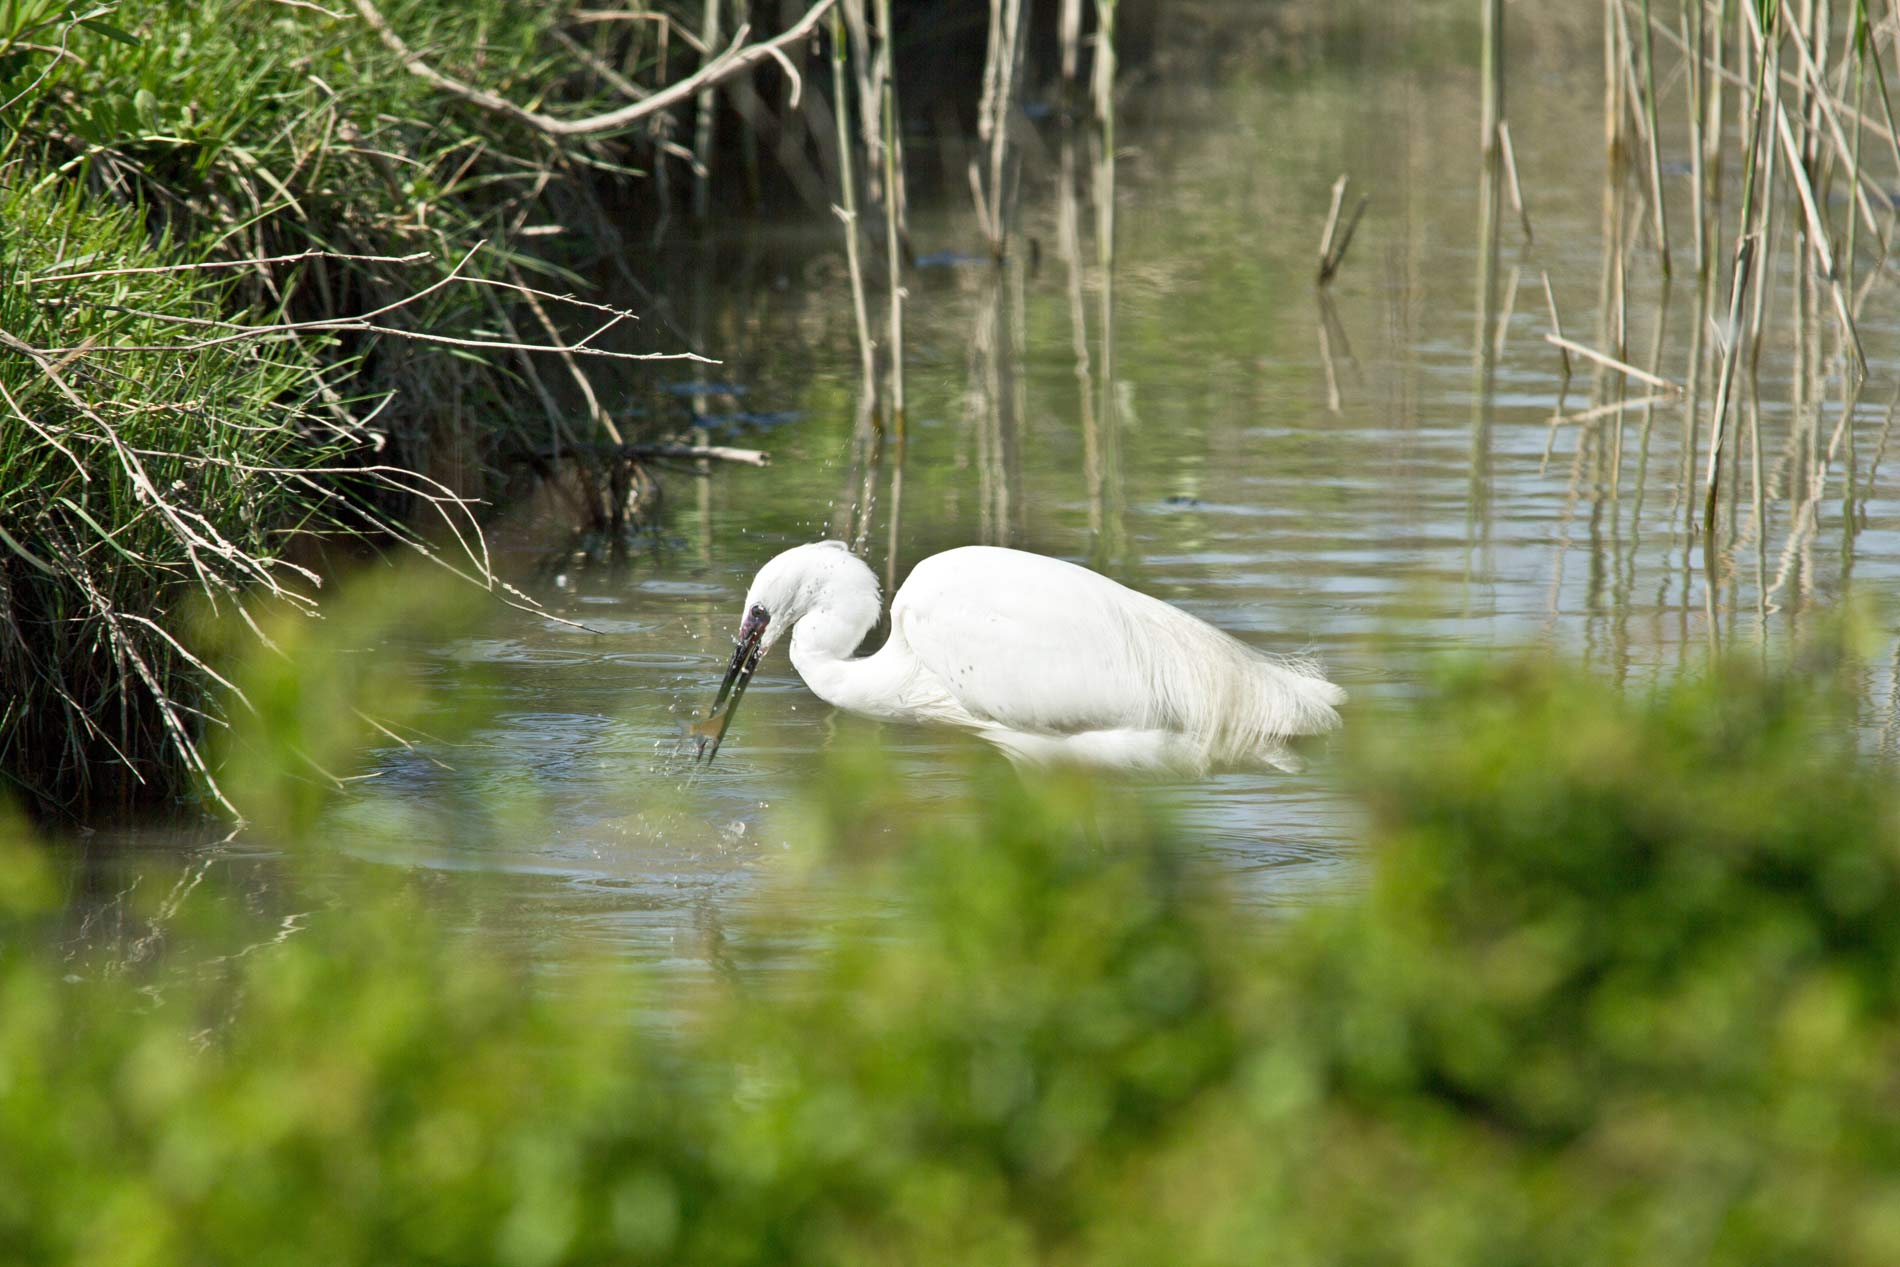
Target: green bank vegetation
[
  {"x": 1623, "y": 985},
  {"x": 260, "y": 285}
]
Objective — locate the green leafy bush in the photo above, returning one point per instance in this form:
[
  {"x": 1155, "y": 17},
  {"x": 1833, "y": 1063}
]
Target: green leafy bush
[{"x": 1621, "y": 988}]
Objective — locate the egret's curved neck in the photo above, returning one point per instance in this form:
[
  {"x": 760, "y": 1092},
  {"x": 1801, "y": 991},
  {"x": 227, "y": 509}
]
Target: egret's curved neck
[{"x": 823, "y": 643}]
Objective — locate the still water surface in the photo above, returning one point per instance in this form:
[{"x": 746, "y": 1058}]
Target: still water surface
[{"x": 1345, "y": 474}]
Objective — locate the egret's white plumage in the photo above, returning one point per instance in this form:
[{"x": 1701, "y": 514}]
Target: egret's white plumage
[{"x": 1047, "y": 660}]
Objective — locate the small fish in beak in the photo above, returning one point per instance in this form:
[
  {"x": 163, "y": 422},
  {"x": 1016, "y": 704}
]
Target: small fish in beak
[{"x": 745, "y": 662}]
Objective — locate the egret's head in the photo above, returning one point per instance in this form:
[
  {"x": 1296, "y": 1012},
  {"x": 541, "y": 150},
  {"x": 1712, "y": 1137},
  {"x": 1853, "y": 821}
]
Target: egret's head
[{"x": 804, "y": 579}]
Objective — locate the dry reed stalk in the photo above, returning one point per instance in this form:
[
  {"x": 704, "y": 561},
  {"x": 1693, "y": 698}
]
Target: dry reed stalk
[
  {"x": 1886, "y": 101},
  {"x": 1695, "y": 39},
  {"x": 1817, "y": 231},
  {"x": 1746, "y": 244},
  {"x": 1001, "y": 73},
  {"x": 1334, "y": 243},
  {"x": 1823, "y": 109},
  {"x": 1491, "y": 57},
  {"x": 1713, "y": 120},
  {"x": 1859, "y": 39},
  {"x": 1612, "y": 83},
  {"x": 848, "y": 212},
  {"x": 1513, "y": 183},
  {"x": 1658, "y": 208},
  {"x": 1613, "y": 363},
  {"x": 1069, "y": 36},
  {"x": 893, "y": 204},
  {"x": 1557, "y": 328},
  {"x": 705, "y": 116},
  {"x": 870, "y": 92}
]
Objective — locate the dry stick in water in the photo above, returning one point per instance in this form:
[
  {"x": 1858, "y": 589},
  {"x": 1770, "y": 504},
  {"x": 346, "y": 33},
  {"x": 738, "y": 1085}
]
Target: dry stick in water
[
  {"x": 1556, "y": 325},
  {"x": 1610, "y": 362},
  {"x": 1332, "y": 227},
  {"x": 1513, "y": 184},
  {"x": 1332, "y": 253}
]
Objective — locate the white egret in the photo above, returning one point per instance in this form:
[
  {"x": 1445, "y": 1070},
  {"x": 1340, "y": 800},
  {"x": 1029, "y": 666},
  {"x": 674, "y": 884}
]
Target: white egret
[{"x": 1049, "y": 661}]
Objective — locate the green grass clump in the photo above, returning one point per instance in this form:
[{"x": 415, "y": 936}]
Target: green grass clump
[
  {"x": 130, "y": 483},
  {"x": 253, "y": 130},
  {"x": 185, "y": 150},
  {"x": 1622, "y": 988}
]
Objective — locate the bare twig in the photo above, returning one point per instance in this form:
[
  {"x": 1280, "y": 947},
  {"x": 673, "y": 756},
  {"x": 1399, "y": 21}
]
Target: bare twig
[
  {"x": 1556, "y": 323},
  {"x": 313, "y": 254},
  {"x": 1333, "y": 242},
  {"x": 647, "y": 452},
  {"x": 1512, "y": 182},
  {"x": 1610, "y": 362},
  {"x": 738, "y": 58}
]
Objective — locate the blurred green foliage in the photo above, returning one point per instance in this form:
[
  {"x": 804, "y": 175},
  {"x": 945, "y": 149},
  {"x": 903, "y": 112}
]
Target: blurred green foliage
[{"x": 1622, "y": 986}]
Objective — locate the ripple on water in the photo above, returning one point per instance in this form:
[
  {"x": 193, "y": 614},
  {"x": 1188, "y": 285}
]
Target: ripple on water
[
  {"x": 676, "y": 661},
  {"x": 680, "y": 587},
  {"x": 515, "y": 651}
]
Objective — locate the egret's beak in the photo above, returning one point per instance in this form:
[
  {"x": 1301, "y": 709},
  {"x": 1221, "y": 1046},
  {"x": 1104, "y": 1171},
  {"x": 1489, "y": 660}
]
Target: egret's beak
[{"x": 745, "y": 662}]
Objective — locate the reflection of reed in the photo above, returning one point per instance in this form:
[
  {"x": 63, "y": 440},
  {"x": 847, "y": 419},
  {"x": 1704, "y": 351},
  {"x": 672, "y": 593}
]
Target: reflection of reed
[
  {"x": 895, "y": 523},
  {"x": 995, "y": 399},
  {"x": 1105, "y": 481},
  {"x": 1329, "y": 330},
  {"x": 1484, "y": 355},
  {"x": 1069, "y": 246},
  {"x": 1002, "y": 73}
]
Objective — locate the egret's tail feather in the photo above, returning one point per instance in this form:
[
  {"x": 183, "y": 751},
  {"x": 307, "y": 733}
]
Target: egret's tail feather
[{"x": 1241, "y": 706}]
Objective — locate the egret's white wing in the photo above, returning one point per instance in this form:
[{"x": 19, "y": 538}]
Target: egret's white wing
[{"x": 1038, "y": 645}]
